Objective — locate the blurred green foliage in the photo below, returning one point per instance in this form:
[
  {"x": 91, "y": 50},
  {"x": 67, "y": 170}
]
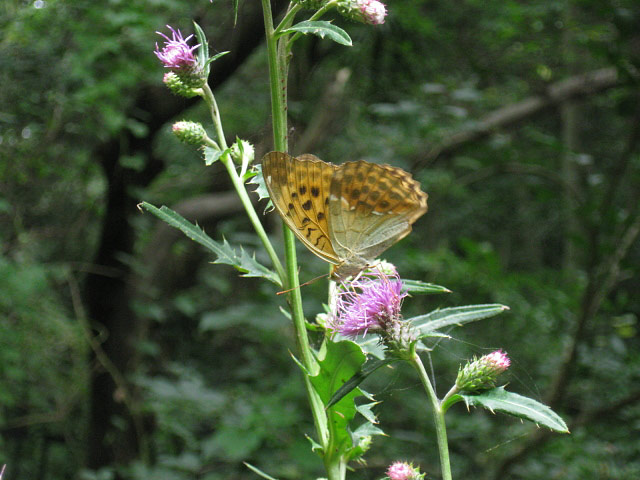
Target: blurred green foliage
[{"x": 215, "y": 381}]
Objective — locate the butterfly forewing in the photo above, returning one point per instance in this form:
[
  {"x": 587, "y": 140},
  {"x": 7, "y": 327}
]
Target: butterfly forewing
[{"x": 298, "y": 190}]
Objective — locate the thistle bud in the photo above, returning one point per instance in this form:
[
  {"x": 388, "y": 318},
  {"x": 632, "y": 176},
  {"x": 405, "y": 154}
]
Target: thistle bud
[
  {"x": 403, "y": 471},
  {"x": 480, "y": 374},
  {"x": 371, "y": 12},
  {"x": 173, "y": 83},
  {"x": 189, "y": 132}
]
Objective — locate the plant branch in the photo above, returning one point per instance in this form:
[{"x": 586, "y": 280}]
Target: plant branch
[
  {"x": 438, "y": 415},
  {"x": 573, "y": 87}
]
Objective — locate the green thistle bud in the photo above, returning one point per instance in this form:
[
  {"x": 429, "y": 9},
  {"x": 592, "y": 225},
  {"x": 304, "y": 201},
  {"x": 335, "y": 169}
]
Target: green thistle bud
[
  {"x": 173, "y": 83},
  {"x": 189, "y": 132},
  {"x": 480, "y": 374}
]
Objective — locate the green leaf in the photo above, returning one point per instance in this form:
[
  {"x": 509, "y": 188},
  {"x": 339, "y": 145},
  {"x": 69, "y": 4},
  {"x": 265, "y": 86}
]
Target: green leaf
[
  {"x": 321, "y": 29},
  {"x": 212, "y": 155},
  {"x": 215, "y": 57},
  {"x": 258, "y": 471},
  {"x": 340, "y": 362},
  {"x": 261, "y": 189},
  {"x": 235, "y": 11},
  {"x": 499, "y": 400},
  {"x": 455, "y": 316},
  {"x": 357, "y": 378},
  {"x": 422, "y": 288},
  {"x": 203, "y": 51},
  {"x": 226, "y": 254}
]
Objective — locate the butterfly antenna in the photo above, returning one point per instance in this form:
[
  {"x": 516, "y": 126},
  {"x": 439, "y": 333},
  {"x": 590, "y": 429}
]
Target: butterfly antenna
[{"x": 309, "y": 282}]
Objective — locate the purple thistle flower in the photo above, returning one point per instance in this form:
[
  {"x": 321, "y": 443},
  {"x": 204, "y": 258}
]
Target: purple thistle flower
[
  {"x": 176, "y": 53},
  {"x": 371, "y": 302}
]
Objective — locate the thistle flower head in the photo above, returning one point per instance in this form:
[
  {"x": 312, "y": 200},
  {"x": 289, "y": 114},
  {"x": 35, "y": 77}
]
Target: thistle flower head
[
  {"x": 176, "y": 53},
  {"x": 373, "y": 12},
  {"x": 480, "y": 374},
  {"x": 403, "y": 471},
  {"x": 371, "y": 302}
]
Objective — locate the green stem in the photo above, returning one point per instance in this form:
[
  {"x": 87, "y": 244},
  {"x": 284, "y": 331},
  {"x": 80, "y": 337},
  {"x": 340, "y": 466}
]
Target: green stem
[
  {"x": 438, "y": 416},
  {"x": 278, "y": 83},
  {"x": 238, "y": 184},
  {"x": 288, "y": 18}
]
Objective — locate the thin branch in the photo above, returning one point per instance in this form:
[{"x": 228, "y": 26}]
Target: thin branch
[
  {"x": 521, "y": 169},
  {"x": 577, "y": 86},
  {"x": 107, "y": 364},
  {"x": 324, "y": 116}
]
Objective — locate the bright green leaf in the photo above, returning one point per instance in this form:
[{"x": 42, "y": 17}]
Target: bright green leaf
[{"x": 340, "y": 362}]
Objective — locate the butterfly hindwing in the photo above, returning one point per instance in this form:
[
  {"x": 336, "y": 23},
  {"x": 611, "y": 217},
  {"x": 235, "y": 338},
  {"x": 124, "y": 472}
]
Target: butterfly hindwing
[{"x": 372, "y": 207}]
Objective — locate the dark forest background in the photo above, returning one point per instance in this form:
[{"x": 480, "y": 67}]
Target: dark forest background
[{"x": 124, "y": 353}]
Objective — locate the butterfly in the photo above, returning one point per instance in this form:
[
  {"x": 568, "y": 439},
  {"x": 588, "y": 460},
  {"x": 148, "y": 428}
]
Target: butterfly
[{"x": 346, "y": 214}]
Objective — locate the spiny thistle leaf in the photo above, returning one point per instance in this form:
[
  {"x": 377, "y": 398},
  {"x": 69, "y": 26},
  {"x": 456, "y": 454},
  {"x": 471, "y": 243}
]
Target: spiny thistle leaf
[
  {"x": 422, "y": 288},
  {"x": 212, "y": 155},
  {"x": 446, "y": 317},
  {"x": 226, "y": 254},
  {"x": 321, "y": 29},
  {"x": 499, "y": 400}
]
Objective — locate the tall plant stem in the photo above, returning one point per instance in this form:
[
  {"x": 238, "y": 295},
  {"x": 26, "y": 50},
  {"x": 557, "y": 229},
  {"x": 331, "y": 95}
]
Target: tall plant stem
[
  {"x": 438, "y": 416},
  {"x": 278, "y": 66},
  {"x": 238, "y": 184}
]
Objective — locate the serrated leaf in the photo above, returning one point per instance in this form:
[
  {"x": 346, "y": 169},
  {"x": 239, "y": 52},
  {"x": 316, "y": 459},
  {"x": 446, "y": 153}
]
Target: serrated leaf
[
  {"x": 261, "y": 188},
  {"x": 322, "y": 29},
  {"x": 422, "y": 288},
  {"x": 455, "y": 316},
  {"x": 366, "y": 410},
  {"x": 357, "y": 378},
  {"x": 226, "y": 254},
  {"x": 499, "y": 400},
  {"x": 340, "y": 362},
  {"x": 212, "y": 155},
  {"x": 361, "y": 439}
]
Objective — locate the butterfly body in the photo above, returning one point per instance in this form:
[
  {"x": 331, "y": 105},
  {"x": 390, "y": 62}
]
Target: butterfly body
[{"x": 346, "y": 214}]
